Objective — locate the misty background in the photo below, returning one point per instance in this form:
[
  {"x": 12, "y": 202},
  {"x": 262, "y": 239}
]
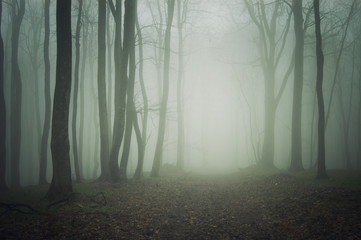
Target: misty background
[{"x": 223, "y": 85}]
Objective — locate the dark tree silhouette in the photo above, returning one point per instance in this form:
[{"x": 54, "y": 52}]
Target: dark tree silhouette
[
  {"x": 18, "y": 11},
  {"x": 103, "y": 115},
  {"x": 74, "y": 131},
  {"x": 141, "y": 142},
  {"x": 296, "y": 144},
  {"x": 2, "y": 113},
  {"x": 130, "y": 95},
  {"x": 164, "y": 102},
  {"x": 61, "y": 185},
  {"x": 121, "y": 90},
  {"x": 46, "y": 126},
  {"x": 321, "y": 169}
]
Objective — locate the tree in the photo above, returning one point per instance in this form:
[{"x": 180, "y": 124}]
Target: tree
[
  {"x": 271, "y": 52},
  {"x": 18, "y": 11},
  {"x": 2, "y": 113},
  {"x": 296, "y": 143},
  {"x": 46, "y": 126},
  {"x": 61, "y": 185},
  {"x": 321, "y": 168},
  {"x": 120, "y": 85},
  {"x": 130, "y": 94},
  {"x": 163, "y": 107},
  {"x": 75, "y": 95},
  {"x": 141, "y": 142},
  {"x": 181, "y": 16},
  {"x": 102, "y": 102}
]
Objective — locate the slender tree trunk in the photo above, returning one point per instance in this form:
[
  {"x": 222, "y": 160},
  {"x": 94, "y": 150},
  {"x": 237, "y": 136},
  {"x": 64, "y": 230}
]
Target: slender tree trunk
[
  {"x": 102, "y": 102},
  {"x": 139, "y": 170},
  {"x": 346, "y": 116},
  {"x": 110, "y": 84},
  {"x": 269, "y": 124},
  {"x": 164, "y": 103},
  {"x": 16, "y": 94},
  {"x": 3, "y": 185},
  {"x": 46, "y": 126},
  {"x": 130, "y": 99},
  {"x": 121, "y": 89},
  {"x": 359, "y": 121},
  {"x": 321, "y": 168},
  {"x": 296, "y": 143},
  {"x": 82, "y": 83},
  {"x": 180, "y": 112},
  {"x": 75, "y": 95},
  {"x": 61, "y": 184}
]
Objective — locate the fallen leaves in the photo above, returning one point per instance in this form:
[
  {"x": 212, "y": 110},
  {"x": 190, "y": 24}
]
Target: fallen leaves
[{"x": 277, "y": 207}]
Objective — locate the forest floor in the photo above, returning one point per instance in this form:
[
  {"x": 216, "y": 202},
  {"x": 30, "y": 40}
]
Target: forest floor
[{"x": 245, "y": 205}]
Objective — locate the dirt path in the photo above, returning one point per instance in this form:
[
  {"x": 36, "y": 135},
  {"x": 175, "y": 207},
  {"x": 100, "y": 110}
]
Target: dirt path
[{"x": 277, "y": 207}]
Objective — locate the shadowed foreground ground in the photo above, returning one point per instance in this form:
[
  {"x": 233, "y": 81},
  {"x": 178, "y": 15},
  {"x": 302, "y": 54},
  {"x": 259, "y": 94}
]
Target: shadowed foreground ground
[{"x": 279, "y": 206}]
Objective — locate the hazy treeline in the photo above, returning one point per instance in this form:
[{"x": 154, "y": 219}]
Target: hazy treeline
[{"x": 201, "y": 85}]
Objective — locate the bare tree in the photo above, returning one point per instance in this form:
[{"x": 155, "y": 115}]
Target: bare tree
[
  {"x": 143, "y": 136},
  {"x": 130, "y": 94},
  {"x": 321, "y": 169},
  {"x": 102, "y": 101},
  {"x": 74, "y": 130},
  {"x": 121, "y": 88},
  {"x": 46, "y": 126},
  {"x": 3, "y": 186},
  {"x": 296, "y": 144},
  {"x": 18, "y": 11},
  {"x": 61, "y": 184},
  {"x": 271, "y": 51},
  {"x": 164, "y": 103}
]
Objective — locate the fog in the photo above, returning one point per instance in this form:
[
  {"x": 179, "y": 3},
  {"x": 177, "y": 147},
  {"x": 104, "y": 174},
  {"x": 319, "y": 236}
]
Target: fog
[{"x": 223, "y": 86}]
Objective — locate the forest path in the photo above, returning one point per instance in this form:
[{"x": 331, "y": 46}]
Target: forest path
[{"x": 280, "y": 206}]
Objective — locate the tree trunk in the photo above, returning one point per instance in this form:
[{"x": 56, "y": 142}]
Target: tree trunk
[
  {"x": 82, "y": 83},
  {"x": 46, "y": 126},
  {"x": 3, "y": 186},
  {"x": 74, "y": 130},
  {"x": 296, "y": 143},
  {"x": 120, "y": 87},
  {"x": 102, "y": 102},
  {"x": 139, "y": 170},
  {"x": 180, "y": 112},
  {"x": 164, "y": 103},
  {"x": 16, "y": 94},
  {"x": 61, "y": 185},
  {"x": 130, "y": 93},
  {"x": 321, "y": 168}
]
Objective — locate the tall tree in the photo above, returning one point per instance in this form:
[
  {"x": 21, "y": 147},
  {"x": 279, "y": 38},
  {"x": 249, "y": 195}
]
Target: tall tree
[
  {"x": 61, "y": 184},
  {"x": 139, "y": 170},
  {"x": 296, "y": 143},
  {"x": 74, "y": 130},
  {"x": 2, "y": 113},
  {"x": 164, "y": 102},
  {"x": 18, "y": 11},
  {"x": 321, "y": 169},
  {"x": 102, "y": 102},
  {"x": 46, "y": 126},
  {"x": 121, "y": 88},
  {"x": 181, "y": 17},
  {"x": 271, "y": 51},
  {"x": 130, "y": 94}
]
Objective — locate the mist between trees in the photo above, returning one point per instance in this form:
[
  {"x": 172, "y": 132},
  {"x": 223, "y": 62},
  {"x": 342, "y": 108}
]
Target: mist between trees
[{"x": 205, "y": 86}]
